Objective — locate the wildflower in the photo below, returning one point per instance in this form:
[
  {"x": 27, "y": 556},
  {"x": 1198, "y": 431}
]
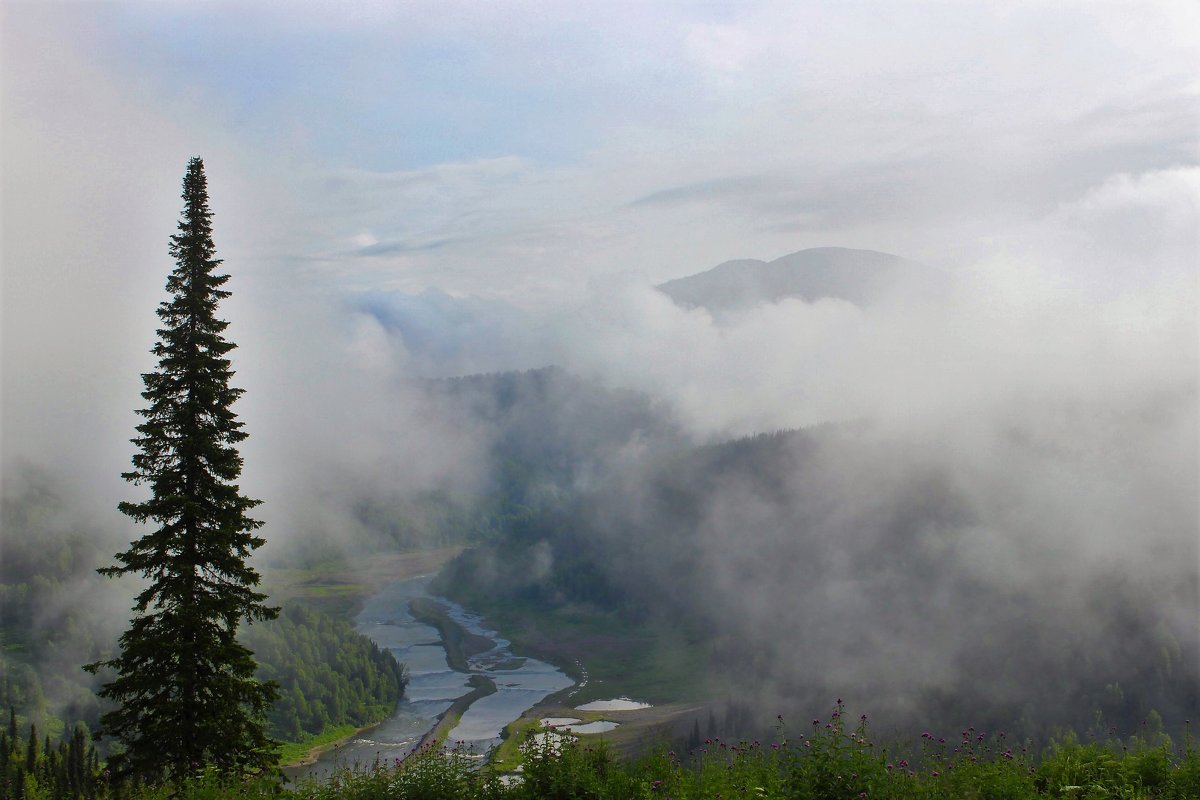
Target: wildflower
[{"x": 934, "y": 774}]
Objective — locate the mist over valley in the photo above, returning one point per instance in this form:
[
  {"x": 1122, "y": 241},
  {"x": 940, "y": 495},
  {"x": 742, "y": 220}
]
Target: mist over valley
[{"x": 843, "y": 364}]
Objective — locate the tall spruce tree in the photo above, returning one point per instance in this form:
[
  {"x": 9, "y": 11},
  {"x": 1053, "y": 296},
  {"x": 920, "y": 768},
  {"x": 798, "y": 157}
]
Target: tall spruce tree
[{"x": 185, "y": 689}]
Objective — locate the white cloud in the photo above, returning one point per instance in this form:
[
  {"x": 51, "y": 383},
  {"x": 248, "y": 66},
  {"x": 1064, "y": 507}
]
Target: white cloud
[
  {"x": 977, "y": 133},
  {"x": 722, "y": 48}
]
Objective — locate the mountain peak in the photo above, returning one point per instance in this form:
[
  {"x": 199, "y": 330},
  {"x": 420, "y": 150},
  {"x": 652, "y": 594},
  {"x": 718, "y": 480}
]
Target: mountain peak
[{"x": 861, "y": 277}]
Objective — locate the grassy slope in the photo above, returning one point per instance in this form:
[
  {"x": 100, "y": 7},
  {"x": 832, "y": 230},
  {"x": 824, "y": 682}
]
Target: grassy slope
[
  {"x": 656, "y": 665},
  {"x": 608, "y": 659},
  {"x": 342, "y": 587},
  {"x": 306, "y": 751}
]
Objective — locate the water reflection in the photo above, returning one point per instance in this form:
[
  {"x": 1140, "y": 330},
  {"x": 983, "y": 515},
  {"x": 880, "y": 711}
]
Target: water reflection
[{"x": 433, "y": 686}]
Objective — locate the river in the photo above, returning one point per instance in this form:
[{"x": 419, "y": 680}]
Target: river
[{"x": 433, "y": 685}]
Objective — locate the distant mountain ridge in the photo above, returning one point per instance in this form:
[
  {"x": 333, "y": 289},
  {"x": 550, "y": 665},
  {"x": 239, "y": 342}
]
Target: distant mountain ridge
[{"x": 861, "y": 277}]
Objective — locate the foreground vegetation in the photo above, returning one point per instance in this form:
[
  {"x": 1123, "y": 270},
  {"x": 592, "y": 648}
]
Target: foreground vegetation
[{"x": 830, "y": 759}]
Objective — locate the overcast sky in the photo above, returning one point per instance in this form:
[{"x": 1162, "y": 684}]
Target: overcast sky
[{"x": 525, "y": 158}]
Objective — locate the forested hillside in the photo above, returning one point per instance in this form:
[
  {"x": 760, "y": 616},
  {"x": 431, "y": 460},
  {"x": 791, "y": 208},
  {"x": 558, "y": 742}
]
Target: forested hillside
[
  {"x": 328, "y": 673},
  {"x": 855, "y": 553},
  {"x": 549, "y": 429}
]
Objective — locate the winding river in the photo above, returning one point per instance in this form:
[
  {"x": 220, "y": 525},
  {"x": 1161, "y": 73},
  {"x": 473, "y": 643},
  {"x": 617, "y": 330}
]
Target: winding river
[{"x": 434, "y": 686}]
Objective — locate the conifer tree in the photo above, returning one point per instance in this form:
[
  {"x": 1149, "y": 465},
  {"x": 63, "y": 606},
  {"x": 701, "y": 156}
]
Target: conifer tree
[{"x": 185, "y": 689}]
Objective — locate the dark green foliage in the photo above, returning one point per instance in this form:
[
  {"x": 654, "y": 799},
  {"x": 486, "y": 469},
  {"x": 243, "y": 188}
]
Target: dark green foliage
[
  {"x": 562, "y": 770},
  {"x": 327, "y": 673},
  {"x": 185, "y": 686},
  {"x": 834, "y": 758},
  {"x": 830, "y": 759},
  {"x": 30, "y": 768}
]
